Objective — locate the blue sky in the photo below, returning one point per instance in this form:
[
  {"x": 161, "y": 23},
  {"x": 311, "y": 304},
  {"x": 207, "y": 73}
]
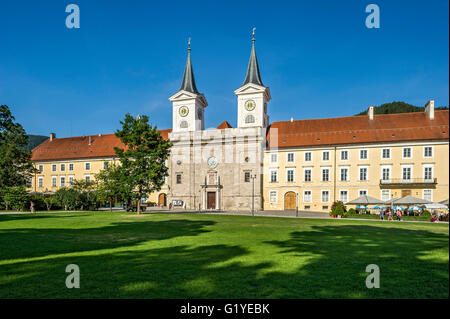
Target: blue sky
[{"x": 317, "y": 57}]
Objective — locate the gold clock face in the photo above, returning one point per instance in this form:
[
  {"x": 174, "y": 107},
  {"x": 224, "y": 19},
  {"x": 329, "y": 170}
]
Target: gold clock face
[
  {"x": 250, "y": 105},
  {"x": 184, "y": 111}
]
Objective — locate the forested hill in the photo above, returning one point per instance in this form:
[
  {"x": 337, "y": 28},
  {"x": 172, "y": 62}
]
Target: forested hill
[
  {"x": 399, "y": 107},
  {"x": 35, "y": 140}
]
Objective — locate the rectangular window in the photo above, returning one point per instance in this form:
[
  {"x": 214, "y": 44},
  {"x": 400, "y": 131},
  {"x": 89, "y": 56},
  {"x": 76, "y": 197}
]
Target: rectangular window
[
  {"x": 178, "y": 178},
  {"x": 386, "y": 153},
  {"x": 406, "y": 173},
  {"x": 41, "y": 182},
  {"x": 274, "y": 157},
  {"x": 428, "y": 194},
  {"x": 62, "y": 181},
  {"x": 362, "y": 192},
  {"x": 324, "y": 207},
  {"x": 363, "y": 154},
  {"x": 290, "y": 175},
  {"x": 247, "y": 177},
  {"x": 363, "y": 173},
  {"x": 407, "y": 152},
  {"x": 386, "y": 174},
  {"x": 343, "y": 196},
  {"x": 428, "y": 151},
  {"x": 273, "y": 196},
  {"x": 70, "y": 180},
  {"x": 87, "y": 178},
  {"x": 325, "y": 196},
  {"x": 290, "y": 157},
  {"x": 53, "y": 167},
  {"x": 63, "y": 167},
  {"x": 273, "y": 176},
  {"x": 385, "y": 194},
  {"x": 428, "y": 172},
  {"x": 307, "y": 196},
  {"x": 54, "y": 181},
  {"x": 344, "y": 174},
  {"x": 307, "y": 175},
  {"x": 71, "y": 167},
  {"x": 307, "y": 207},
  {"x": 325, "y": 156},
  {"x": 325, "y": 174},
  {"x": 41, "y": 168},
  {"x": 87, "y": 166},
  {"x": 344, "y": 155},
  {"x": 308, "y": 156}
]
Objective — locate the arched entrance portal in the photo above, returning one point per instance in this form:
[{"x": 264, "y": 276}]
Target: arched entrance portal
[
  {"x": 162, "y": 199},
  {"x": 290, "y": 199}
]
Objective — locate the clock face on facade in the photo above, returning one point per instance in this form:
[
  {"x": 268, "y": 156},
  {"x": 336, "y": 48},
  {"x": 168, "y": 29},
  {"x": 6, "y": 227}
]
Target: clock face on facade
[
  {"x": 184, "y": 110},
  {"x": 250, "y": 105},
  {"x": 212, "y": 162}
]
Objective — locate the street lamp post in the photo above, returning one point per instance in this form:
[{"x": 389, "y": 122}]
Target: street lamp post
[{"x": 296, "y": 204}]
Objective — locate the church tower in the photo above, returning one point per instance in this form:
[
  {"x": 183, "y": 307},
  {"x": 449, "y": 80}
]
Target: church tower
[
  {"x": 253, "y": 95},
  {"x": 188, "y": 103}
]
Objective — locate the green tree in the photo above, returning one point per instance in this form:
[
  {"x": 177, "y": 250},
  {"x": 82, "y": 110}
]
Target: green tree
[
  {"x": 112, "y": 184},
  {"x": 15, "y": 161},
  {"x": 143, "y": 159},
  {"x": 16, "y": 197},
  {"x": 49, "y": 202},
  {"x": 87, "y": 192},
  {"x": 69, "y": 198}
]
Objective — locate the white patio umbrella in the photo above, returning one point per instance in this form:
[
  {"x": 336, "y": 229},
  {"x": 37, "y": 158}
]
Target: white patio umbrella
[
  {"x": 365, "y": 200},
  {"x": 410, "y": 201},
  {"x": 435, "y": 206}
]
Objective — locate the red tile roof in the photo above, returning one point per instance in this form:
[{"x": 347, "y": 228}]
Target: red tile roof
[
  {"x": 359, "y": 129},
  {"x": 78, "y": 147},
  {"x": 224, "y": 124}
]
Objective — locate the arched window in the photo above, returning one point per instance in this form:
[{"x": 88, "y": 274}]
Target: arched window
[
  {"x": 183, "y": 124},
  {"x": 249, "y": 119}
]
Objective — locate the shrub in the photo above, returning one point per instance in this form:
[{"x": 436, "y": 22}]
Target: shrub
[
  {"x": 337, "y": 209},
  {"x": 352, "y": 211},
  {"x": 426, "y": 213},
  {"x": 16, "y": 197}
]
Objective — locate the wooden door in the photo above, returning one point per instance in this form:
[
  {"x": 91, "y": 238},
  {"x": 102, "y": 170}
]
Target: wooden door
[
  {"x": 211, "y": 200},
  {"x": 162, "y": 199},
  {"x": 290, "y": 200},
  {"x": 406, "y": 192}
]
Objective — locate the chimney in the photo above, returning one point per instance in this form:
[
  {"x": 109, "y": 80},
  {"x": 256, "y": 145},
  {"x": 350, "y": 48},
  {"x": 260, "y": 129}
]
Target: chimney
[
  {"x": 429, "y": 109},
  {"x": 370, "y": 112},
  {"x": 90, "y": 140},
  {"x": 52, "y": 136}
]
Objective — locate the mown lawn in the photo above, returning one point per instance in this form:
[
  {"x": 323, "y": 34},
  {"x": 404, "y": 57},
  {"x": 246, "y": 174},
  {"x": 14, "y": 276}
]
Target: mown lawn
[{"x": 215, "y": 256}]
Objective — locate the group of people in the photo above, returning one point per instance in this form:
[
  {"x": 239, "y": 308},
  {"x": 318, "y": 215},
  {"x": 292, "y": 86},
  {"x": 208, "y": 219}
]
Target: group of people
[{"x": 390, "y": 213}]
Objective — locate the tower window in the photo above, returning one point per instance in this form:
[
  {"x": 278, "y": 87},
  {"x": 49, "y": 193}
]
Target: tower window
[
  {"x": 249, "y": 119},
  {"x": 178, "y": 178}
]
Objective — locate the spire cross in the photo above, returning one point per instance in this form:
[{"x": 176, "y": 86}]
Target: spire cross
[
  {"x": 189, "y": 44},
  {"x": 253, "y": 34}
]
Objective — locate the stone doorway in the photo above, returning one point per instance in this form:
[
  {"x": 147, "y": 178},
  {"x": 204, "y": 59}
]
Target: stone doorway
[
  {"x": 162, "y": 199},
  {"x": 290, "y": 199},
  {"x": 211, "y": 200},
  {"x": 406, "y": 192}
]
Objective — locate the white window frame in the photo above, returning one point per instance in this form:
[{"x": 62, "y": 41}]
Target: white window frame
[
  {"x": 321, "y": 177},
  {"x": 41, "y": 168},
  {"x": 390, "y": 153},
  {"x": 68, "y": 180},
  {"x": 412, "y": 171},
  {"x": 54, "y": 181},
  {"x": 367, "y": 152},
  {"x": 61, "y": 167},
  {"x": 311, "y": 158},
  {"x": 348, "y": 155},
  {"x": 432, "y": 151},
  {"x": 40, "y": 181},
  {"x": 431, "y": 194},
  {"x": 389, "y": 194},
  {"x": 293, "y": 157},
  {"x": 410, "y": 152},
  {"x": 348, "y": 173},
  {"x": 87, "y": 175},
  {"x": 304, "y": 174},
  {"x": 304, "y": 196},
  {"x": 327, "y": 160},
  {"x": 321, "y": 196},
  {"x": 367, "y": 173},
  {"x": 270, "y": 197},
  {"x": 272, "y": 155},
  {"x": 54, "y": 167},
  {"x": 73, "y": 167},
  {"x": 85, "y": 166},
  {"x": 389, "y": 167},
  {"x": 340, "y": 195},
  {"x": 424, "y": 166},
  {"x": 60, "y": 181},
  {"x": 287, "y": 175},
  {"x": 270, "y": 175},
  {"x": 363, "y": 190}
]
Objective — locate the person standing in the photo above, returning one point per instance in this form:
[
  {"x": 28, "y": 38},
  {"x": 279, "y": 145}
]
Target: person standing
[{"x": 32, "y": 209}]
